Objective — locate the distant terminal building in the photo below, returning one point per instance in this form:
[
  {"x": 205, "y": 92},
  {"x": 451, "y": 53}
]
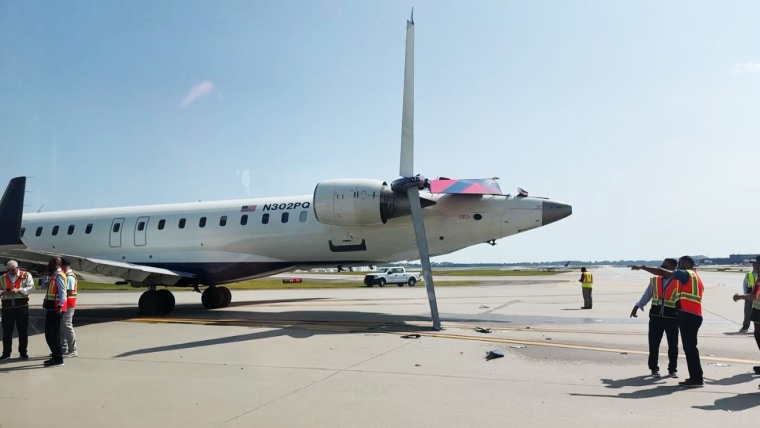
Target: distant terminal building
[{"x": 742, "y": 258}]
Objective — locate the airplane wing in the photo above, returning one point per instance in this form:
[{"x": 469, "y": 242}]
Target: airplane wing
[
  {"x": 11, "y": 247},
  {"x": 471, "y": 186}
]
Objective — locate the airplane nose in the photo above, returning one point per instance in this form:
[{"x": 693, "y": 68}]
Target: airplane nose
[{"x": 553, "y": 211}]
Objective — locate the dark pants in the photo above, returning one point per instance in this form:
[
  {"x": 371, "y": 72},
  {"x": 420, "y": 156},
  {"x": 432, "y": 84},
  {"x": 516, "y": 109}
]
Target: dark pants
[
  {"x": 15, "y": 317},
  {"x": 587, "y": 298},
  {"x": 747, "y": 314},
  {"x": 53, "y": 334},
  {"x": 658, "y": 325},
  {"x": 757, "y": 334},
  {"x": 689, "y": 325}
]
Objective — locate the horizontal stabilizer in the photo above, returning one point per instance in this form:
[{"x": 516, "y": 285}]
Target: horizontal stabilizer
[{"x": 471, "y": 186}]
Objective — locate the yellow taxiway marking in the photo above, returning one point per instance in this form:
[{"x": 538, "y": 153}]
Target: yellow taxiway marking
[{"x": 375, "y": 327}]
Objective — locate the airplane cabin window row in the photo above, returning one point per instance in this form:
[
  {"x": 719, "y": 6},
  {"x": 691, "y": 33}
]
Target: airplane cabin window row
[{"x": 141, "y": 225}]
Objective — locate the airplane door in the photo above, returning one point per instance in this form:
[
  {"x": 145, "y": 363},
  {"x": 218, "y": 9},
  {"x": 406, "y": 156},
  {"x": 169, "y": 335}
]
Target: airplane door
[
  {"x": 116, "y": 226},
  {"x": 141, "y": 230}
]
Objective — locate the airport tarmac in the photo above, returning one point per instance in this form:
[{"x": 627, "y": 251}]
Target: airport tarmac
[{"x": 340, "y": 358}]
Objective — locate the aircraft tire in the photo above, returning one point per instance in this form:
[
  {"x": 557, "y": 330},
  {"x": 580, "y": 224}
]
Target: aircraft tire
[
  {"x": 226, "y": 296},
  {"x": 212, "y": 298},
  {"x": 166, "y": 301},
  {"x": 148, "y": 303}
]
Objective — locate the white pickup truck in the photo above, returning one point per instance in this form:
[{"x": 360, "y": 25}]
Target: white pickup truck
[{"x": 392, "y": 275}]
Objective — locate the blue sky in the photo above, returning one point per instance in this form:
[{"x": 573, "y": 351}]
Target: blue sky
[{"x": 642, "y": 115}]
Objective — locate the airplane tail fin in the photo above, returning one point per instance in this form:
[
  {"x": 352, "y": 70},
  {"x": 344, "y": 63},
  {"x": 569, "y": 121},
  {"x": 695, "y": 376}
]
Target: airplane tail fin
[{"x": 11, "y": 209}]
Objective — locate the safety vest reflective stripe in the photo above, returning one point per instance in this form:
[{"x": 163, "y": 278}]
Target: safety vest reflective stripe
[
  {"x": 588, "y": 280},
  {"x": 17, "y": 284},
  {"x": 52, "y": 289},
  {"x": 690, "y": 294},
  {"x": 659, "y": 291}
]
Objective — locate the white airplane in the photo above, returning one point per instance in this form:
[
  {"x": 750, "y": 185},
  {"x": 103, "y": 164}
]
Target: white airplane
[{"x": 344, "y": 222}]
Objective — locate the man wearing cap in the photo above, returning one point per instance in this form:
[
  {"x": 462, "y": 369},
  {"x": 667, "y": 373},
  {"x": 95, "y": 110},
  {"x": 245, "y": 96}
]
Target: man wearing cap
[
  {"x": 689, "y": 306},
  {"x": 747, "y": 287},
  {"x": 17, "y": 284},
  {"x": 663, "y": 318},
  {"x": 68, "y": 337}
]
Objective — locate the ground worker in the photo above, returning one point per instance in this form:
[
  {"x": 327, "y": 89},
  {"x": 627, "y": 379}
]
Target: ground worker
[
  {"x": 55, "y": 305},
  {"x": 689, "y": 305},
  {"x": 753, "y": 298},
  {"x": 17, "y": 284},
  {"x": 68, "y": 336},
  {"x": 587, "y": 283},
  {"x": 747, "y": 288},
  {"x": 663, "y": 317}
]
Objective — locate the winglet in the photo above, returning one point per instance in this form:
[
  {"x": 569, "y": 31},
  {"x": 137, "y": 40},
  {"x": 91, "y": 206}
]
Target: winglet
[{"x": 11, "y": 209}]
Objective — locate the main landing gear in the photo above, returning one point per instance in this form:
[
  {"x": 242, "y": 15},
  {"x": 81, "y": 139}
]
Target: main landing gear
[{"x": 161, "y": 302}]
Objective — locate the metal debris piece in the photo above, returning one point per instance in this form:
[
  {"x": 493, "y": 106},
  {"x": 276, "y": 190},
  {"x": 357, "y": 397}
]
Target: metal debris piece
[
  {"x": 490, "y": 355},
  {"x": 483, "y": 307},
  {"x": 483, "y": 329},
  {"x": 411, "y": 336},
  {"x": 517, "y": 346},
  {"x": 719, "y": 364}
]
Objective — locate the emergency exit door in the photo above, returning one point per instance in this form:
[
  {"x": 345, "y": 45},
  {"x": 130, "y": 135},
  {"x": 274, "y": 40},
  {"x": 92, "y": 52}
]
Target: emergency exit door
[{"x": 141, "y": 230}]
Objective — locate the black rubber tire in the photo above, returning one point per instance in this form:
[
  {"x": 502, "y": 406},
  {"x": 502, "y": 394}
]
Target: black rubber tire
[
  {"x": 166, "y": 301},
  {"x": 412, "y": 282}
]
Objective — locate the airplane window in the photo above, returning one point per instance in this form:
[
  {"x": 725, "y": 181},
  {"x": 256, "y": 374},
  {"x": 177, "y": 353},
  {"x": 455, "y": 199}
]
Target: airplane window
[
  {"x": 302, "y": 216},
  {"x": 202, "y": 222},
  {"x": 285, "y": 217},
  {"x": 71, "y": 229},
  {"x": 116, "y": 227},
  {"x": 21, "y": 235},
  {"x": 141, "y": 226},
  {"x": 88, "y": 229},
  {"x": 265, "y": 219},
  {"x": 55, "y": 230},
  {"x": 161, "y": 224},
  {"x": 38, "y": 232},
  {"x": 223, "y": 221},
  {"x": 182, "y": 223},
  {"x": 244, "y": 219}
]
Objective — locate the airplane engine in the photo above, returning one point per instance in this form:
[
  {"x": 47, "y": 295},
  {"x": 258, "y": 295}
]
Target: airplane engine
[{"x": 357, "y": 202}]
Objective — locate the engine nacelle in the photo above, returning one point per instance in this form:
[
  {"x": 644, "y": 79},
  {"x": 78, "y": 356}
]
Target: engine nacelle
[{"x": 357, "y": 202}]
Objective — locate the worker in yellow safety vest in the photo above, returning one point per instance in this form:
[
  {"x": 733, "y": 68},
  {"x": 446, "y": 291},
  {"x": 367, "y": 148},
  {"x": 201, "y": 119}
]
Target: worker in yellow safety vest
[
  {"x": 747, "y": 287},
  {"x": 587, "y": 283}
]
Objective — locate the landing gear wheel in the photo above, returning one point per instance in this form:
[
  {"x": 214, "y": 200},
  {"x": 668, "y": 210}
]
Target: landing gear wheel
[
  {"x": 156, "y": 302},
  {"x": 226, "y": 296},
  {"x": 148, "y": 303},
  {"x": 216, "y": 297},
  {"x": 166, "y": 301},
  {"x": 412, "y": 282},
  {"x": 382, "y": 282}
]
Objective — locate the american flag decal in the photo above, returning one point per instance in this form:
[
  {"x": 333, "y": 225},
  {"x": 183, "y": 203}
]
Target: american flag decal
[{"x": 247, "y": 208}]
